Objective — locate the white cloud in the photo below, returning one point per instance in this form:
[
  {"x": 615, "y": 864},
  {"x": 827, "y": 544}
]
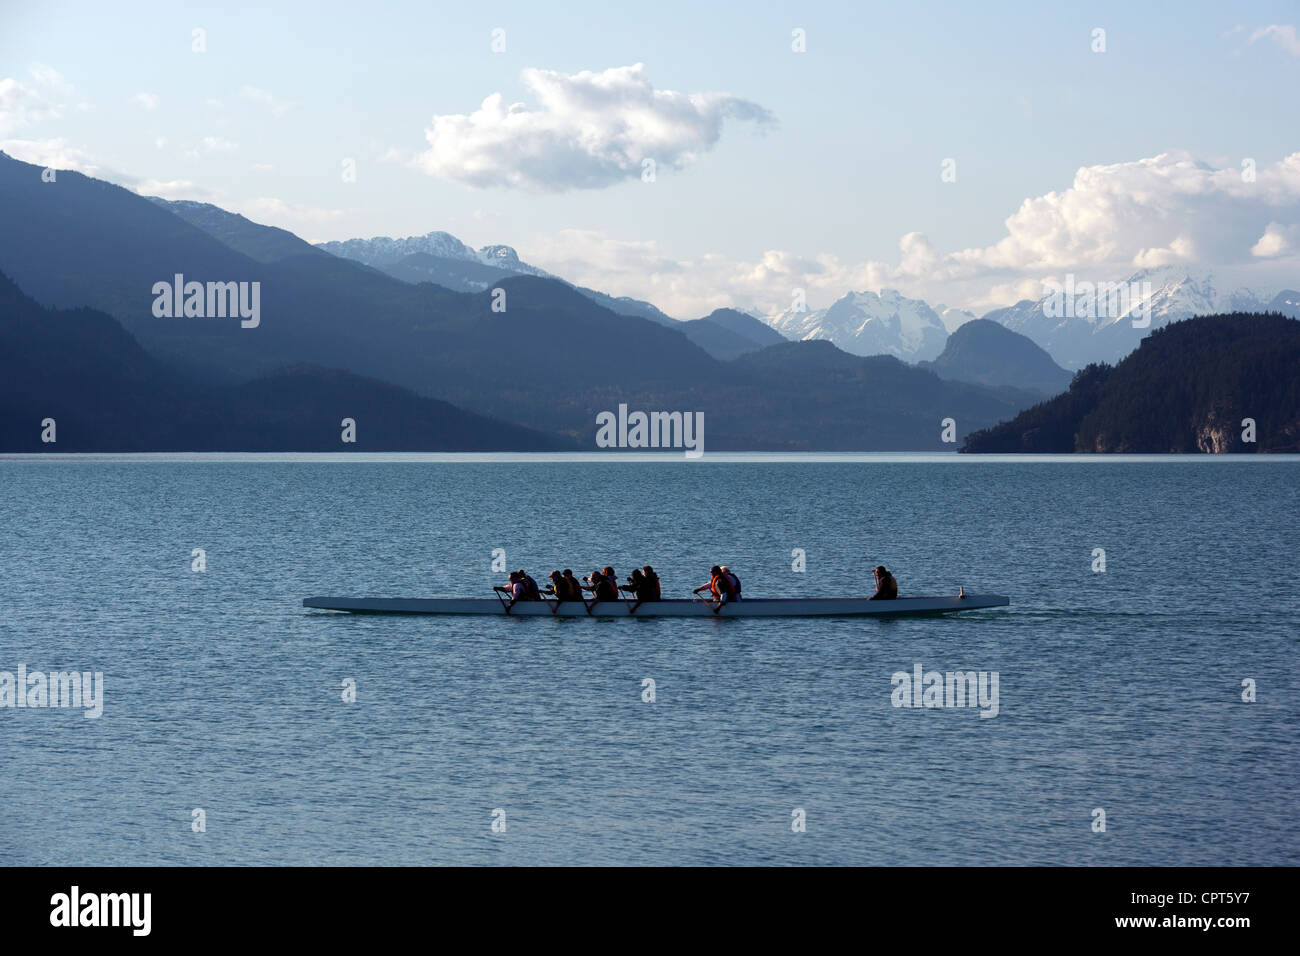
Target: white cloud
[
  {"x": 1112, "y": 220},
  {"x": 277, "y": 106},
  {"x": 588, "y": 130},
  {"x": 1283, "y": 35},
  {"x": 1277, "y": 240},
  {"x": 149, "y": 101},
  {"x": 51, "y": 153}
]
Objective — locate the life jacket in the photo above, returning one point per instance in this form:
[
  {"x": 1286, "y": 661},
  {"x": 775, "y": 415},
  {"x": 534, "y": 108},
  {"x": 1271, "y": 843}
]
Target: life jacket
[
  {"x": 531, "y": 591},
  {"x": 735, "y": 583},
  {"x": 606, "y": 589},
  {"x": 720, "y": 585},
  {"x": 888, "y": 588},
  {"x": 649, "y": 588}
]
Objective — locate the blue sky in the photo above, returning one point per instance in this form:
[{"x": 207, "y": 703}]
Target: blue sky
[{"x": 261, "y": 122}]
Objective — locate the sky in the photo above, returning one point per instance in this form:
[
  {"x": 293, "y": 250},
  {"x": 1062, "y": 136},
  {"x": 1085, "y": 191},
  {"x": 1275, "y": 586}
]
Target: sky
[{"x": 961, "y": 153}]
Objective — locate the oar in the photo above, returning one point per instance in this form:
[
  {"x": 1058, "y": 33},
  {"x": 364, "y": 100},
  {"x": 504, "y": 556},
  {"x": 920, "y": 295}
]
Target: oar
[
  {"x": 715, "y": 607},
  {"x": 585, "y": 603},
  {"x": 500, "y": 591},
  {"x": 631, "y": 608}
]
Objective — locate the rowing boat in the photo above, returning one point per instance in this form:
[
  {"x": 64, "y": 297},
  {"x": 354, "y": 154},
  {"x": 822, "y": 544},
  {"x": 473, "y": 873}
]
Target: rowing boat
[{"x": 749, "y": 607}]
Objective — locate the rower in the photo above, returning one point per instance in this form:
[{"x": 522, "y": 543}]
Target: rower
[
  {"x": 574, "y": 588},
  {"x": 514, "y": 589},
  {"x": 601, "y": 587},
  {"x": 719, "y": 586},
  {"x": 735, "y": 581},
  {"x": 558, "y": 587},
  {"x": 886, "y": 585},
  {"x": 650, "y": 586},
  {"x": 529, "y": 590},
  {"x": 635, "y": 582}
]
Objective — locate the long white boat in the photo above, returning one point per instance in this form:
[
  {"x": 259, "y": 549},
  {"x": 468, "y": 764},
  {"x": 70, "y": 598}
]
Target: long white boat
[{"x": 749, "y": 607}]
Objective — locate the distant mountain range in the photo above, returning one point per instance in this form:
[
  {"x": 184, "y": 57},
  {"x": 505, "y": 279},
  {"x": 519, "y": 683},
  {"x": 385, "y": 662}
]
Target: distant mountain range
[
  {"x": 1191, "y": 386},
  {"x": 888, "y": 323},
  {"x": 444, "y": 260},
  {"x": 861, "y": 323},
  {"x": 549, "y": 363},
  {"x": 337, "y": 334},
  {"x": 1105, "y": 332}
]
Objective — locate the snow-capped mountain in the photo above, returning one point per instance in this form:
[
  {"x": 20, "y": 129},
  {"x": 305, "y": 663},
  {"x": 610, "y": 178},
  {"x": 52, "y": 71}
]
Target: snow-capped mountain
[
  {"x": 441, "y": 258},
  {"x": 381, "y": 250},
  {"x": 1079, "y": 322},
  {"x": 505, "y": 257},
  {"x": 865, "y": 323}
]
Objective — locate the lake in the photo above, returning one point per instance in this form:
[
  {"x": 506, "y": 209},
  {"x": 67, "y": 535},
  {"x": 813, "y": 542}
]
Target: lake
[{"x": 1119, "y": 690}]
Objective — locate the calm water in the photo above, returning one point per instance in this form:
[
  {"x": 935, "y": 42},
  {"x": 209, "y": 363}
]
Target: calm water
[{"x": 1119, "y": 691}]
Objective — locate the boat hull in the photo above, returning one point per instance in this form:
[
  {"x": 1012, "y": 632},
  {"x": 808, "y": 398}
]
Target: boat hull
[{"x": 757, "y": 607}]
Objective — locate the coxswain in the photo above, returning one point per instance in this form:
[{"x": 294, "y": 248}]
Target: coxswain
[{"x": 886, "y": 586}]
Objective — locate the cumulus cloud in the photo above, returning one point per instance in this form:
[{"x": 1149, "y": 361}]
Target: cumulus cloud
[
  {"x": 1277, "y": 240},
  {"x": 1283, "y": 35},
  {"x": 149, "y": 101},
  {"x": 588, "y": 130},
  {"x": 1166, "y": 210}
]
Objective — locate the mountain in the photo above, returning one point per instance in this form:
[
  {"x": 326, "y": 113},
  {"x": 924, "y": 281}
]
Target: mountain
[
  {"x": 727, "y": 334},
  {"x": 551, "y": 361},
  {"x": 746, "y": 326},
  {"x": 1187, "y": 388},
  {"x": 1081, "y": 328},
  {"x": 867, "y": 323},
  {"x": 441, "y": 258},
  {"x": 262, "y": 243},
  {"x": 381, "y": 250},
  {"x": 812, "y": 396},
  {"x": 988, "y": 353},
  {"x": 462, "y": 275},
  {"x": 105, "y": 393}
]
